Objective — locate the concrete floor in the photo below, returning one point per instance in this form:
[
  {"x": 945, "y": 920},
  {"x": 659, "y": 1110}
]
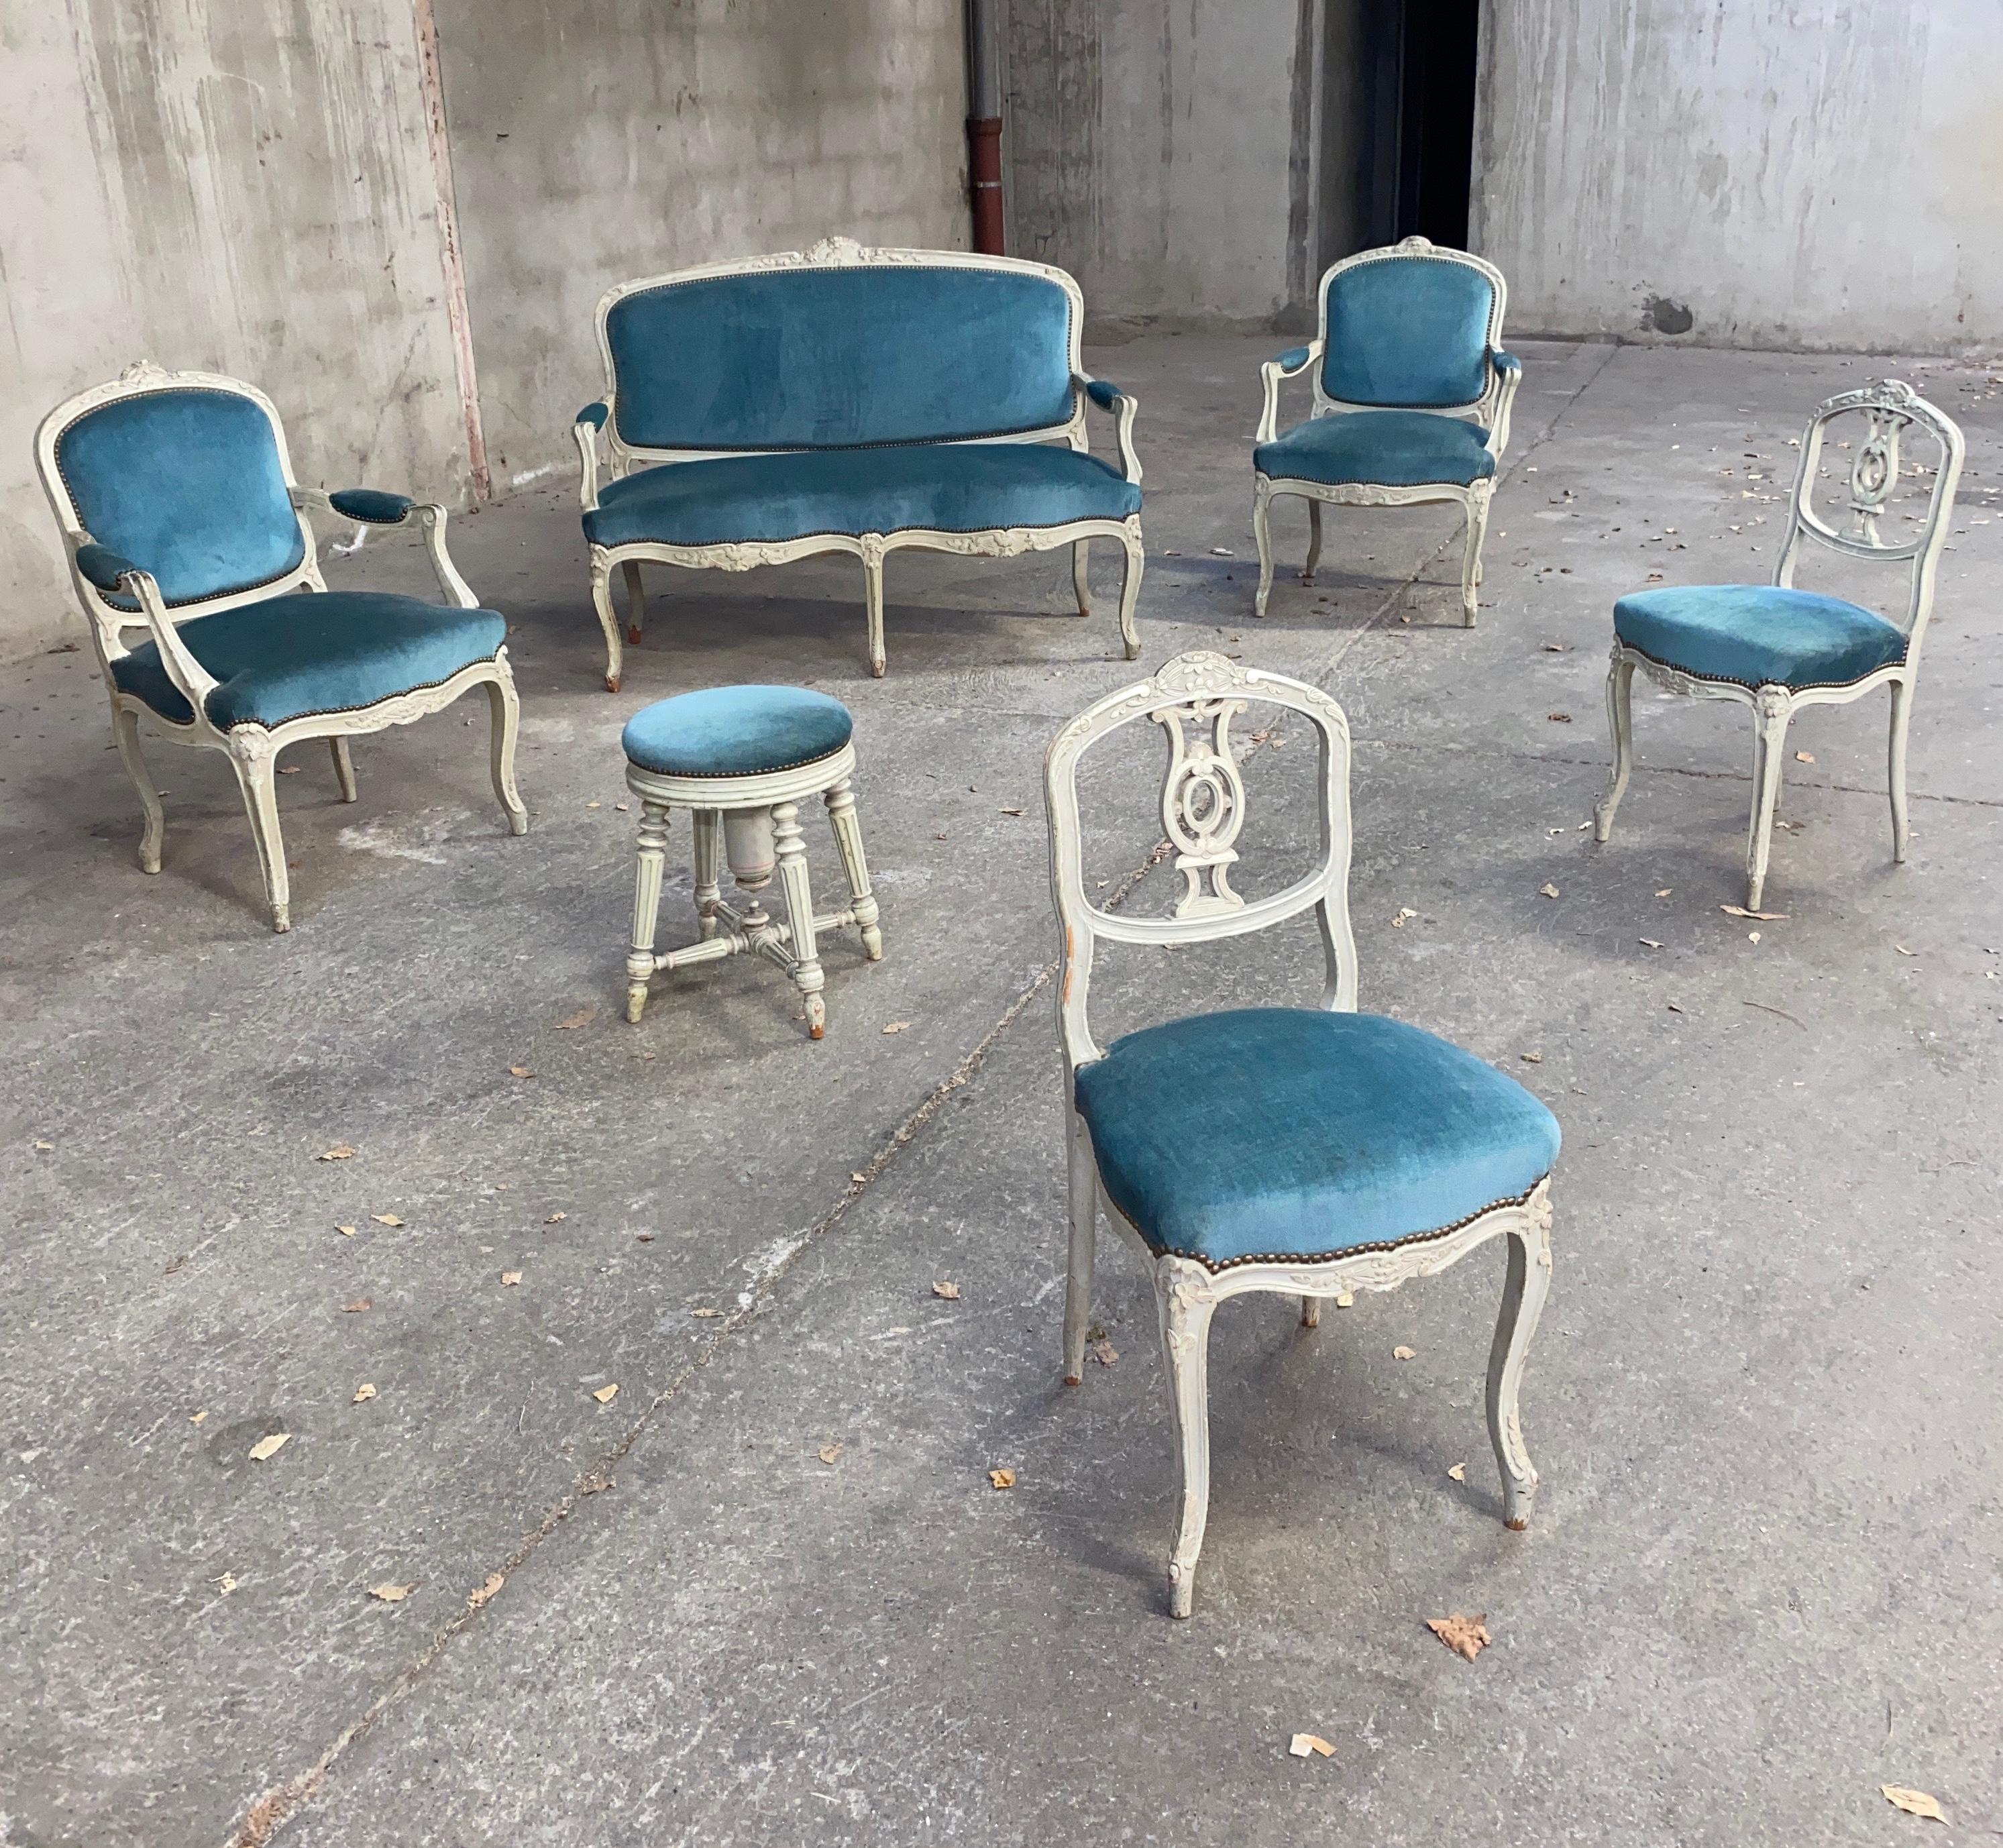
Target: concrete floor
[{"x": 1764, "y": 1575}]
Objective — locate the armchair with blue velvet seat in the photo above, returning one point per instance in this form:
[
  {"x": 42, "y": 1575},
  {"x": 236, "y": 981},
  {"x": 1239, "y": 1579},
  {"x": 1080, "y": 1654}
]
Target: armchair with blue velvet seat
[
  {"x": 1412, "y": 394},
  {"x": 1776, "y": 648},
  {"x": 1310, "y": 1151},
  {"x": 847, "y": 400},
  {"x": 178, "y": 513}
]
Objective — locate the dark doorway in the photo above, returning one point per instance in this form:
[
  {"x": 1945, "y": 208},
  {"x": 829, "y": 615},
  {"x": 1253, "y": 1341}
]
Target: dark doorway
[{"x": 1418, "y": 60}]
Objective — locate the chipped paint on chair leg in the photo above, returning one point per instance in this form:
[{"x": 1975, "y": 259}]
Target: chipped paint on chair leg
[
  {"x": 1527, "y": 1282},
  {"x": 504, "y": 710},
  {"x": 344, "y": 770},
  {"x": 1130, "y": 587},
  {"x": 641, "y": 962},
  {"x": 1310, "y": 1311},
  {"x": 1081, "y": 574},
  {"x": 873, "y": 596},
  {"x": 708, "y": 824},
  {"x": 636, "y": 602},
  {"x": 1771, "y": 711},
  {"x": 1902, "y": 715},
  {"x": 601, "y": 601},
  {"x": 1084, "y": 1176},
  {"x": 255, "y": 763},
  {"x": 848, "y": 826},
  {"x": 1314, "y": 542},
  {"x": 1183, "y": 1299},
  {"x": 1620, "y": 723},
  {"x": 808, "y": 975},
  {"x": 1262, "y": 532},
  {"x": 125, "y": 732}
]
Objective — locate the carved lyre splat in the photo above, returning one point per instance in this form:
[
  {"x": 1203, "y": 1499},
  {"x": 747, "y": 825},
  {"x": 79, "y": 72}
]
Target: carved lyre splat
[
  {"x": 1875, "y": 474},
  {"x": 1203, "y": 803}
]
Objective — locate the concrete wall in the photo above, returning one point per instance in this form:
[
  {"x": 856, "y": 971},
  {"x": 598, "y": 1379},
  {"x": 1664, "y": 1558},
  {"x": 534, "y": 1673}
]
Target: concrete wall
[
  {"x": 243, "y": 187},
  {"x": 1763, "y": 173},
  {"x": 1166, "y": 153},
  {"x": 599, "y": 140}
]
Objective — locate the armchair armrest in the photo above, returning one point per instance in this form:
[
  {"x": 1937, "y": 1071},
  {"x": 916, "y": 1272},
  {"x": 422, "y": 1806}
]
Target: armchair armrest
[
  {"x": 1508, "y": 375},
  {"x": 103, "y": 567},
  {"x": 375, "y": 507},
  {"x": 370, "y": 505},
  {"x": 1108, "y": 396},
  {"x": 585, "y": 429},
  {"x": 1294, "y": 361},
  {"x": 107, "y": 571}
]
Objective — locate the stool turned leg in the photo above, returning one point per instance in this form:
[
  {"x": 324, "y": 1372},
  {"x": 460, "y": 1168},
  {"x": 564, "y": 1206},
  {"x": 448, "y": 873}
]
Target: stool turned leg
[
  {"x": 791, "y": 846},
  {"x": 848, "y": 839},
  {"x": 646, "y": 903},
  {"x": 708, "y": 895}
]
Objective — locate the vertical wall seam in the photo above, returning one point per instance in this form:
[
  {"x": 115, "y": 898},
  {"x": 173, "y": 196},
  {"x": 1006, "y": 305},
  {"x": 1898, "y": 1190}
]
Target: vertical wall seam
[{"x": 432, "y": 78}]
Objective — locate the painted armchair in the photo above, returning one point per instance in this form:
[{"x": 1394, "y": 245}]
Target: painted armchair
[
  {"x": 1309, "y": 1150},
  {"x": 182, "y": 522},
  {"x": 843, "y": 399},
  {"x": 1412, "y": 393}
]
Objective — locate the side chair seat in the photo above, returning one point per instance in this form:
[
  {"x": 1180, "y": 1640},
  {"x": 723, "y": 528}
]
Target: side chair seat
[
  {"x": 737, "y": 731},
  {"x": 940, "y": 488},
  {"x": 1295, "y": 1133},
  {"x": 1758, "y": 634},
  {"x": 311, "y": 652},
  {"x": 1391, "y": 448}
]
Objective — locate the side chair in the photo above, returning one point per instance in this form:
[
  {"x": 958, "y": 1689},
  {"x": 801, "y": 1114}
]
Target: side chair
[
  {"x": 1308, "y": 1150},
  {"x": 181, "y": 520},
  {"x": 1412, "y": 393},
  {"x": 1775, "y": 649}
]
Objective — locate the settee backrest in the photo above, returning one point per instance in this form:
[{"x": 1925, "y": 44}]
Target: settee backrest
[{"x": 861, "y": 347}]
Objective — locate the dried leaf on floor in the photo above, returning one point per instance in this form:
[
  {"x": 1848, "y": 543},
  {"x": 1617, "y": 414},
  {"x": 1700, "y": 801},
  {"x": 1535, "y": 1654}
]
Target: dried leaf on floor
[
  {"x": 1011, "y": 811},
  {"x": 1001, "y": 1479},
  {"x": 896, "y": 1026},
  {"x": 226, "y": 1584},
  {"x": 1804, "y": 756},
  {"x": 265, "y": 1448},
  {"x": 196, "y": 1417},
  {"x": 858, "y": 1176},
  {"x": 949, "y": 1291},
  {"x": 1305, "y": 1745},
  {"x": 385, "y": 1219},
  {"x": 830, "y": 1454},
  {"x": 706, "y": 1315},
  {"x": 1903, "y": 950},
  {"x": 556, "y": 1219},
  {"x": 1665, "y": 891},
  {"x": 347, "y": 1232},
  {"x": 519, "y": 1071},
  {"x": 1346, "y": 1301},
  {"x": 1104, "y": 1352},
  {"x": 1559, "y": 718},
  {"x": 1674, "y": 1007},
  {"x": 605, "y": 1395},
  {"x": 1404, "y": 1353},
  {"x": 495, "y": 1580},
  {"x": 1760, "y": 916},
  {"x": 1547, "y": 890},
  {"x": 1531, "y": 1058},
  {"x": 1459, "y": 1472},
  {"x": 1466, "y": 1637},
  {"x": 1914, "y": 1803},
  {"x": 1649, "y": 943},
  {"x": 393, "y": 1594},
  {"x": 582, "y": 1018},
  {"x": 509, "y": 1279},
  {"x": 1557, "y": 647},
  {"x": 361, "y": 1306},
  {"x": 595, "y": 1484},
  {"x": 341, "y": 1151},
  {"x": 1752, "y": 936},
  {"x": 363, "y": 1393}
]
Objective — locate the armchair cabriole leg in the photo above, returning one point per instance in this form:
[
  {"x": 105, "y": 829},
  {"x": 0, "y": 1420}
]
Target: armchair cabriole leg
[
  {"x": 1470, "y": 562},
  {"x": 601, "y": 601},
  {"x": 807, "y": 976},
  {"x": 256, "y": 766},
  {"x": 636, "y": 602},
  {"x": 1310, "y": 1311},
  {"x": 1130, "y": 589},
  {"x": 872, "y": 598},
  {"x": 343, "y": 769},
  {"x": 1084, "y": 1177},
  {"x": 1262, "y": 531},
  {"x": 1524, "y": 1287},
  {"x": 504, "y": 710},
  {"x": 1081, "y": 574},
  {"x": 842, "y": 818},
  {"x": 1621, "y": 724},
  {"x": 125, "y": 730},
  {"x": 1902, "y": 713},
  {"x": 1314, "y": 542},
  {"x": 1185, "y": 1313},
  {"x": 640, "y": 960},
  {"x": 708, "y": 825},
  {"x": 1770, "y": 718}
]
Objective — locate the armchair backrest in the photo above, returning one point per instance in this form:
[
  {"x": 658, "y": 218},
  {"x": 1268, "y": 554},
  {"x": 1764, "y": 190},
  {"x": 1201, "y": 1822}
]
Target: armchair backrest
[
  {"x": 1194, "y": 699},
  {"x": 1877, "y": 417},
  {"x": 841, "y": 346},
  {"x": 1410, "y": 326},
  {"x": 183, "y": 473}
]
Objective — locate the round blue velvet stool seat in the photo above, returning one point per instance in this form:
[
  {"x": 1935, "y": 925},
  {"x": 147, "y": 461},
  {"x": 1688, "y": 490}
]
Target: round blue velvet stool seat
[{"x": 740, "y": 759}]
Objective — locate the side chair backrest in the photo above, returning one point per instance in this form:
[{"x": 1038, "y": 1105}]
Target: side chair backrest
[
  {"x": 1410, "y": 326},
  {"x": 1194, "y": 699},
  {"x": 185, "y": 475},
  {"x": 1879, "y": 416}
]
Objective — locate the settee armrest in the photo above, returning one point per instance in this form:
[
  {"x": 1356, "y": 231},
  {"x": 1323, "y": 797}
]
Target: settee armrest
[
  {"x": 1294, "y": 361},
  {"x": 585, "y": 428},
  {"x": 1109, "y": 397},
  {"x": 1509, "y": 374},
  {"x": 377, "y": 507}
]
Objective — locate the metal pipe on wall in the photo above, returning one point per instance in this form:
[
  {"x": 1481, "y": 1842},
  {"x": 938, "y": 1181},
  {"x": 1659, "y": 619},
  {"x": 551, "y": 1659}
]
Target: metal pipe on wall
[{"x": 984, "y": 127}]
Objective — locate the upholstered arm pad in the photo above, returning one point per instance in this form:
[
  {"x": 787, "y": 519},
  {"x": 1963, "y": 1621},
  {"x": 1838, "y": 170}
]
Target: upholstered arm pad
[
  {"x": 594, "y": 414},
  {"x": 1505, "y": 363},
  {"x": 1293, "y": 359},
  {"x": 372, "y": 506},
  {"x": 103, "y": 566},
  {"x": 1111, "y": 397},
  {"x": 1105, "y": 396}
]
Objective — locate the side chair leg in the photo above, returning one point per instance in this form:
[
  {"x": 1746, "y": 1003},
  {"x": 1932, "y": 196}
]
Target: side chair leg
[
  {"x": 636, "y": 602},
  {"x": 125, "y": 730},
  {"x": 504, "y": 708},
  {"x": 708, "y": 825},
  {"x": 1524, "y": 1289},
  {"x": 1084, "y": 1176},
  {"x": 601, "y": 601},
  {"x": 1185, "y": 1319},
  {"x": 343, "y": 769},
  {"x": 1620, "y": 723},
  {"x": 1262, "y": 531},
  {"x": 1902, "y": 715},
  {"x": 1130, "y": 589},
  {"x": 1770, "y": 737},
  {"x": 1314, "y": 542},
  {"x": 1081, "y": 574},
  {"x": 807, "y": 976},
  {"x": 256, "y": 767},
  {"x": 646, "y": 903},
  {"x": 872, "y": 599},
  {"x": 847, "y": 828}
]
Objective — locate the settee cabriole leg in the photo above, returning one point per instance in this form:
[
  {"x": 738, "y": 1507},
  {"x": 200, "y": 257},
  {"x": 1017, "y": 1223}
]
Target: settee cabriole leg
[
  {"x": 1081, "y": 574},
  {"x": 343, "y": 769}
]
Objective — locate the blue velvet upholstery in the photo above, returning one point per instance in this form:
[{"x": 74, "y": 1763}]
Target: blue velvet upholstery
[
  {"x": 1103, "y": 395},
  {"x": 593, "y": 413},
  {"x": 1758, "y": 634},
  {"x": 101, "y": 566},
  {"x": 816, "y": 358},
  {"x": 309, "y": 652},
  {"x": 1394, "y": 449},
  {"x": 372, "y": 506},
  {"x": 1293, "y": 359},
  {"x": 1408, "y": 331},
  {"x": 947, "y": 487},
  {"x": 1293, "y": 1133},
  {"x": 736, "y": 730},
  {"x": 187, "y": 484}
]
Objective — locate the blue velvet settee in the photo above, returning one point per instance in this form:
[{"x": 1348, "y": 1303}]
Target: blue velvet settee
[{"x": 848, "y": 399}]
